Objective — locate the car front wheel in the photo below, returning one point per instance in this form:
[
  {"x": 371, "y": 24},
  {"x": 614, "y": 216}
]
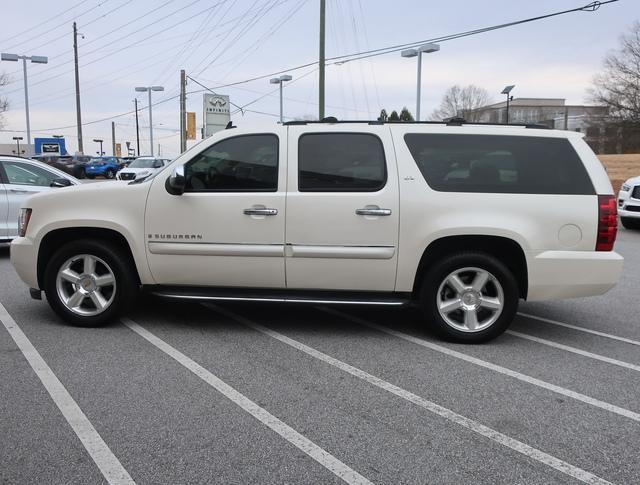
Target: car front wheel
[
  {"x": 630, "y": 223},
  {"x": 110, "y": 174},
  {"x": 469, "y": 297},
  {"x": 88, "y": 283}
]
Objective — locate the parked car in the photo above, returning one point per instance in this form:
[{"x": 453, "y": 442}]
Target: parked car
[
  {"x": 461, "y": 219},
  {"x": 106, "y": 167},
  {"x": 79, "y": 163},
  {"x": 19, "y": 179},
  {"x": 125, "y": 161},
  {"x": 142, "y": 167},
  {"x": 629, "y": 203},
  {"x": 64, "y": 162}
]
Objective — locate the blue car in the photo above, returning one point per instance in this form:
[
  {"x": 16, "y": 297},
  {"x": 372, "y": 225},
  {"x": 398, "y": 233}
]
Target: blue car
[{"x": 105, "y": 166}]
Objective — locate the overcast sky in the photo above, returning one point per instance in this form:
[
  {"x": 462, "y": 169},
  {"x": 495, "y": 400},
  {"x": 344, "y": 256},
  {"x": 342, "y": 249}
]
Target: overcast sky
[{"x": 130, "y": 43}]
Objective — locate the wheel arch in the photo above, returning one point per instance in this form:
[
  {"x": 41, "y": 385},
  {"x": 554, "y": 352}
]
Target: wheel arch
[
  {"x": 503, "y": 248},
  {"x": 57, "y": 237}
]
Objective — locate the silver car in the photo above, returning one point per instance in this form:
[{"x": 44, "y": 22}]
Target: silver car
[{"x": 20, "y": 178}]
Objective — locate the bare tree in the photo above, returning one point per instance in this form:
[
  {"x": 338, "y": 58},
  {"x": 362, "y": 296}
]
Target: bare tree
[
  {"x": 618, "y": 85},
  {"x": 4, "y": 104},
  {"x": 462, "y": 101}
]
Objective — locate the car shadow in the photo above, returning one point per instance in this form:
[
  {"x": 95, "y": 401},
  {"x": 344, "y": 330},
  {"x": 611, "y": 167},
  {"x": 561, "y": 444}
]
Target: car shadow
[{"x": 4, "y": 250}]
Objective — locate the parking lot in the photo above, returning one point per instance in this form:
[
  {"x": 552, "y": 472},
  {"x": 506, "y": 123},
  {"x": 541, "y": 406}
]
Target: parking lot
[{"x": 237, "y": 393}]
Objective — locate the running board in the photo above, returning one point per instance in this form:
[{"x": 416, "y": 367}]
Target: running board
[{"x": 280, "y": 296}]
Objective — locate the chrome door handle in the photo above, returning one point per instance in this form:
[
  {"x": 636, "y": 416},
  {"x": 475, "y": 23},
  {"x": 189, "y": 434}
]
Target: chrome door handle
[
  {"x": 18, "y": 191},
  {"x": 260, "y": 212},
  {"x": 373, "y": 211}
]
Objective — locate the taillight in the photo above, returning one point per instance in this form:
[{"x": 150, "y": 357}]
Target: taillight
[
  {"x": 23, "y": 221},
  {"x": 607, "y": 222}
]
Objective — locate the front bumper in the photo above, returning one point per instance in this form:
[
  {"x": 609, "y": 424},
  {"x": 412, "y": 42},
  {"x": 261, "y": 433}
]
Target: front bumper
[
  {"x": 572, "y": 274},
  {"x": 24, "y": 258}
]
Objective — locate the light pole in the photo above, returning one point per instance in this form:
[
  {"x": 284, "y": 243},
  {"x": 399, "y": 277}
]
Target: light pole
[
  {"x": 149, "y": 89},
  {"x": 99, "y": 141},
  {"x": 428, "y": 48},
  {"x": 281, "y": 80},
  {"x": 17, "y": 139},
  {"x": 36, "y": 60},
  {"x": 506, "y": 91}
]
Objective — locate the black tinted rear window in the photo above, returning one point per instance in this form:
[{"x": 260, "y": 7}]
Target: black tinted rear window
[{"x": 499, "y": 164}]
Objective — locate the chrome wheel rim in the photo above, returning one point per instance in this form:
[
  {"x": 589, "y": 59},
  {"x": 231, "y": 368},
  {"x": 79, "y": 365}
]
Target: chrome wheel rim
[
  {"x": 470, "y": 299},
  {"x": 86, "y": 285}
]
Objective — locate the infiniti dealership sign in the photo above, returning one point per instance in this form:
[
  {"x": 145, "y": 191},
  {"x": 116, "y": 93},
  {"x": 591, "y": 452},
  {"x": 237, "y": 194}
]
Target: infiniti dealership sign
[{"x": 216, "y": 113}]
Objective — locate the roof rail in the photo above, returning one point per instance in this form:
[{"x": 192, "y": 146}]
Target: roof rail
[{"x": 455, "y": 121}]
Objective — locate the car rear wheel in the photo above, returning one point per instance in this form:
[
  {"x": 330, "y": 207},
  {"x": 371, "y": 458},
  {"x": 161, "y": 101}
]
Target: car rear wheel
[
  {"x": 88, "y": 283},
  {"x": 630, "y": 223},
  {"x": 469, "y": 297},
  {"x": 110, "y": 174}
]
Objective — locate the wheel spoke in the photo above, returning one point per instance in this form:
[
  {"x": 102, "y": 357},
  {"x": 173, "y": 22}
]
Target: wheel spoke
[
  {"x": 456, "y": 283},
  {"x": 70, "y": 276},
  {"x": 105, "y": 280},
  {"x": 76, "y": 299},
  {"x": 471, "y": 319},
  {"x": 490, "y": 303},
  {"x": 98, "y": 300},
  {"x": 89, "y": 265},
  {"x": 450, "y": 305},
  {"x": 480, "y": 280}
]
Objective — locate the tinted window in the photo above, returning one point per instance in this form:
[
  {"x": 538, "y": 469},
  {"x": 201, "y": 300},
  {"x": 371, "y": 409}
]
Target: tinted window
[
  {"x": 335, "y": 162},
  {"x": 26, "y": 174},
  {"x": 242, "y": 163},
  {"x": 499, "y": 164}
]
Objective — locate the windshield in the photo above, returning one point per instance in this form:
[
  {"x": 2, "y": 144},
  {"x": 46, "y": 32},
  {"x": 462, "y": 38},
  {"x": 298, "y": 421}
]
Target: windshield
[
  {"x": 143, "y": 163},
  {"x": 97, "y": 161}
]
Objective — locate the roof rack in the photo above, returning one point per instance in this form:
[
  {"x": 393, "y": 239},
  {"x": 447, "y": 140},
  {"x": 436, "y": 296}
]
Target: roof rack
[{"x": 448, "y": 122}]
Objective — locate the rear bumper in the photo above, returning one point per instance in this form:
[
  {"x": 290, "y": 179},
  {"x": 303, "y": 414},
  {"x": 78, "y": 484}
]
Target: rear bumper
[
  {"x": 572, "y": 274},
  {"x": 24, "y": 259}
]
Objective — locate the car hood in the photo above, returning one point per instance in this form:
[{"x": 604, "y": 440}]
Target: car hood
[
  {"x": 633, "y": 181},
  {"x": 138, "y": 170}
]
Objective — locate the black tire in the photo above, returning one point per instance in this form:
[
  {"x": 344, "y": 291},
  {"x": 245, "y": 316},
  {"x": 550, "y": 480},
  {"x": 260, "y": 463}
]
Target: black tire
[
  {"x": 440, "y": 270},
  {"x": 110, "y": 174},
  {"x": 630, "y": 223},
  {"x": 126, "y": 283}
]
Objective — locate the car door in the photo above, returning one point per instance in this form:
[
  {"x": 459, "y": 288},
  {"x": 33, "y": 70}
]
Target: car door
[
  {"x": 4, "y": 209},
  {"x": 23, "y": 179},
  {"x": 227, "y": 228},
  {"x": 342, "y": 208}
]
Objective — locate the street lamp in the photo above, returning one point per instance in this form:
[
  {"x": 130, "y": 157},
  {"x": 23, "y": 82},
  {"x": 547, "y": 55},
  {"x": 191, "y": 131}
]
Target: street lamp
[
  {"x": 17, "y": 139},
  {"x": 428, "y": 48},
  {"x": 281, "y": 80},
  {"x": 99, "y": 141},
  {"x": 506, "y": 91},
  {"x": 149, "y": 89},
  {"x": 34, "y": 59}
]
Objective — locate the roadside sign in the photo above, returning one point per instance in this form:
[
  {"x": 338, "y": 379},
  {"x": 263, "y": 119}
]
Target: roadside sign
[
  {"x": 191, "y": 125},
  {"x": 216, "y": 113},
  {"x": 118, "y": 150}
]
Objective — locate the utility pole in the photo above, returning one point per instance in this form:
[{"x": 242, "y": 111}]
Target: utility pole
[
  {"x": 321, "y": 61},
  {"x": 137, "y": 128},
  {"x": 78, "y": 113},
  {"x": 183, "y": 109},
  {"x": 113, "y": 138}
]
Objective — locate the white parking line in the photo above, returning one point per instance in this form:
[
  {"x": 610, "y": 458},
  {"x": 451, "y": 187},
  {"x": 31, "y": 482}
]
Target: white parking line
[
  {"x": 109, "y": 465},
  {"x": 485, "y": 431},
  {"x": 494, "y": 367},
  {"x": 307, "y": 446},
  {"x": 575, "y": 350},
  {"x": 581, "y": 329}
]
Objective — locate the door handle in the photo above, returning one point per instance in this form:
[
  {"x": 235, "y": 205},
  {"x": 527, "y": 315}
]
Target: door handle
[
  {"x": 373, "y": 211},
  {"x": 18, "y": 191},
  {"x": 255, "y": 211}
]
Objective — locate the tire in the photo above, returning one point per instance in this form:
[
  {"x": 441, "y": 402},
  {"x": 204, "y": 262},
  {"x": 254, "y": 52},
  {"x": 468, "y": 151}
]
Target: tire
[
  {"x": 110, "y": 174},
  {"x": 499, "y": 292},
  {"x": 630, "y": 222},
  {"x": 113, "y": 279}
]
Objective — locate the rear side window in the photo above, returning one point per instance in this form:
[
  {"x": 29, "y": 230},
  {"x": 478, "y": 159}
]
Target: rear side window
[
  {"x": 341, "y": 162},
  {"x": 499, "y": 164}
]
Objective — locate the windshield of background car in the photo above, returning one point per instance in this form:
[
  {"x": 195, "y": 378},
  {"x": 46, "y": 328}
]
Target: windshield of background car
[
  {"x": 499, "y": 164},
  {"x": 97, "y": 161},
  {"x": 142, "y": 163}
]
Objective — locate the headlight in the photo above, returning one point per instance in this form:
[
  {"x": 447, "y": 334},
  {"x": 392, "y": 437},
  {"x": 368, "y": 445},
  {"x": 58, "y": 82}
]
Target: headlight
[
  {"x": 23, "y": 221},
  {"x": 626, "y": 188},
  {"x": 144, "y": 174}
]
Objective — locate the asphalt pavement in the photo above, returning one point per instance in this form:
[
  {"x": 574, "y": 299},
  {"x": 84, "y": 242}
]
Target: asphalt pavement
[{"x": 263, "y": 393}]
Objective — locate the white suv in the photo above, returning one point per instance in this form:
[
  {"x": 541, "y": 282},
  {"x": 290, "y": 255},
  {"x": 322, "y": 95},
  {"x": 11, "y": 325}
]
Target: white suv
[
  {"x": 462, "y": 219},
  {"x": 629, "y": 203}
]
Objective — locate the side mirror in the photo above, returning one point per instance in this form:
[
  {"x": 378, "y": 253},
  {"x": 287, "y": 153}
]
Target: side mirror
[
  {"x": 176, "y": 184},
  {"x": 60, "y": 183}
]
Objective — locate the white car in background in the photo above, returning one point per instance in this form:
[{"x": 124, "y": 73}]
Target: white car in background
[
  {"x": 21, "y": 178},
  {"x": 142, "y": 167},
  {"x": 629, "y": 203}
]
